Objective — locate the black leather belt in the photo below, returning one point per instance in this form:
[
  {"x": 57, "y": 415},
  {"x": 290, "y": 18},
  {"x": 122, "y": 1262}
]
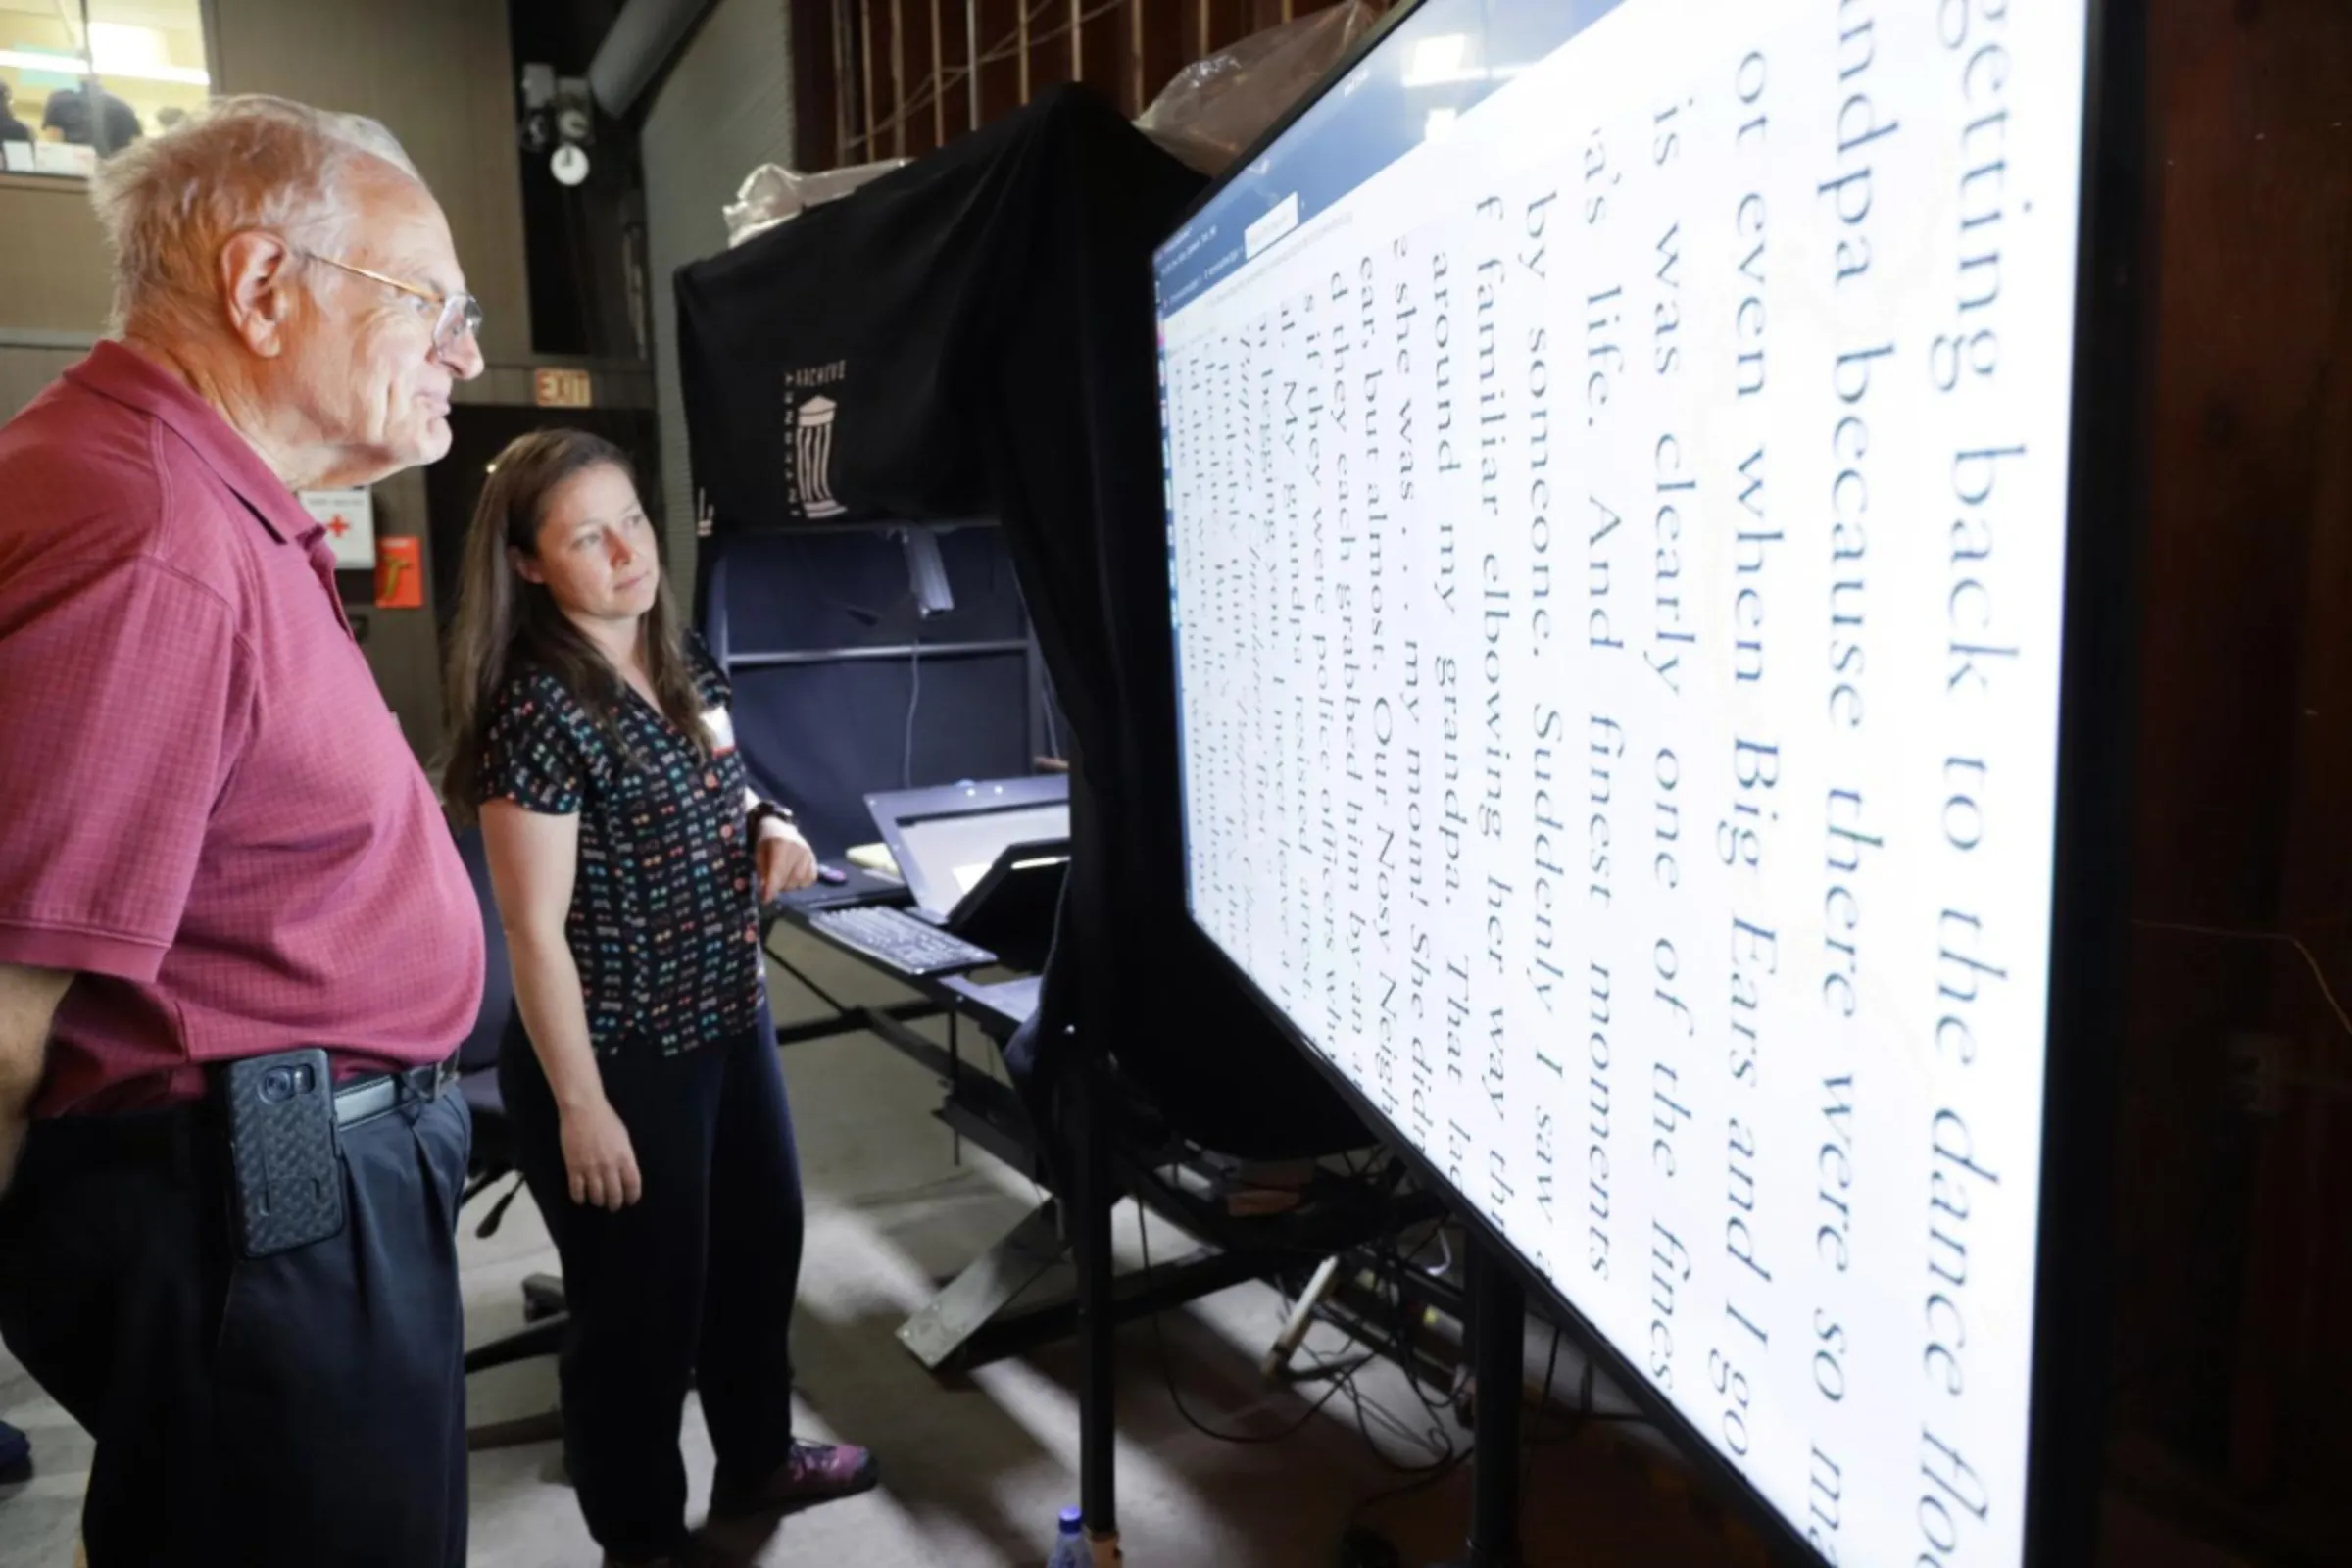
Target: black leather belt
[{"x": 364, "y": 1098}]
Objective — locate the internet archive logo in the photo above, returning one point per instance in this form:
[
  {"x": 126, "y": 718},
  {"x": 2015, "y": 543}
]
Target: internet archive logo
[{"x": 812, "y": 436}]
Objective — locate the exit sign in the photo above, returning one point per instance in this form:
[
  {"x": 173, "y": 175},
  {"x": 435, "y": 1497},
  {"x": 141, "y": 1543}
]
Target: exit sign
[{"x": 556, "y": 388}]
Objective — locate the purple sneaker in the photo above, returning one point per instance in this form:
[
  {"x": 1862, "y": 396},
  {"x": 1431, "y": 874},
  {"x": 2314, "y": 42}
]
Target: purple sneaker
[
  {"x": 740, "y": 1527},
  {"x": 810, "y": 1472},
  {"x": 819, "y": 1472}
]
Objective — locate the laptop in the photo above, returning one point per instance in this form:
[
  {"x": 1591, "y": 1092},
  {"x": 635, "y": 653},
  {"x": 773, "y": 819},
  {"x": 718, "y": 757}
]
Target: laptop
[{"x": 985, "y": 860}]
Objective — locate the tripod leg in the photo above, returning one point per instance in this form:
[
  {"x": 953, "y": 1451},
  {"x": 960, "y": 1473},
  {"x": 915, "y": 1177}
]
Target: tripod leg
[{"x": 1088, "y": 1211}]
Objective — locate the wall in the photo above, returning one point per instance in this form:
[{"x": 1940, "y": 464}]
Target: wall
[
  {"x": 725, "y": 107},
  {"x": 31, "y": 360},
  {"x": 56, "y": 264},
  {"x": 439, "y": 74},
  {"x": 2233, "y": 1262}
]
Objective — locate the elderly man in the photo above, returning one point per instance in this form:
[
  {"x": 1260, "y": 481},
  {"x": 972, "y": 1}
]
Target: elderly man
[{"x": 215, "y": 848}]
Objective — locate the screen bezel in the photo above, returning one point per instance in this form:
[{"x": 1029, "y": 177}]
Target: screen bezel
[{"x": 2065, "y": 1435}]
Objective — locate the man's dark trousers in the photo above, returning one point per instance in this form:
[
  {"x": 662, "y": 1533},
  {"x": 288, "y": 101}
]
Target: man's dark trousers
[{"x": 306, "y": 1408}]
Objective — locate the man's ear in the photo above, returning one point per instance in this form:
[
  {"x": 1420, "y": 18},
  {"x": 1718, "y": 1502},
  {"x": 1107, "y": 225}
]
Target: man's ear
[{"x": 257, "y": 280}]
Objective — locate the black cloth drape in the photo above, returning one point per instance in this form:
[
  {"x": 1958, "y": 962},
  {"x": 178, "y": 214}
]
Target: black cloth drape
[
  {"x": 989, "y": 311},
  {"x": 821, "y": 735}
]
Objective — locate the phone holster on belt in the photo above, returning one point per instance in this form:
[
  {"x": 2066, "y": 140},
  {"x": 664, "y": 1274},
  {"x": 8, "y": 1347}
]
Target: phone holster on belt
[{"x": 285, "y": 1159}]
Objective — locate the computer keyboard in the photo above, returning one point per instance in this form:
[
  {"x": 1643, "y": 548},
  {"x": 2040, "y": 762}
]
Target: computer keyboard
[{"x": 900, "y": 940}]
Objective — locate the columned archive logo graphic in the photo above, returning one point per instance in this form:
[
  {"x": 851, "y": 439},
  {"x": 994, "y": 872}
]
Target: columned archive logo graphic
[{"x": 811, "y": 443}]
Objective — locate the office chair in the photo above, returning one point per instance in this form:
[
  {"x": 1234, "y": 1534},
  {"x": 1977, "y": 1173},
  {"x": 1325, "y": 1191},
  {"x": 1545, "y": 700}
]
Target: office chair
[{"x": 493, "y": 1159}]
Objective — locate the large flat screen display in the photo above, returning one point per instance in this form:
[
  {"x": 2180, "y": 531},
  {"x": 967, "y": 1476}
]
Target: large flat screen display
[{"x": 1617, "y": 477}]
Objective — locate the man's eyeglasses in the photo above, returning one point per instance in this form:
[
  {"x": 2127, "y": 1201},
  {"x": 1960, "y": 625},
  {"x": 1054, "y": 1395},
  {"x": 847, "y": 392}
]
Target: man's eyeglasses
[{"x": 460, "y": 315}]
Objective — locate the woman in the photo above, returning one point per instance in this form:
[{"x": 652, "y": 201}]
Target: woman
[{"x": 592, "y": 739}]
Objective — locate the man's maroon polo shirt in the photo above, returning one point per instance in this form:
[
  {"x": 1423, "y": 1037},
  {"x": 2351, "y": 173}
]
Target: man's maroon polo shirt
[{"x": 205, "y": 809}]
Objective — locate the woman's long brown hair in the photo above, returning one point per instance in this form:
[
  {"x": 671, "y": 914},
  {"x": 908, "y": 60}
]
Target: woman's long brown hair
[{"x": 507, "y": 624}]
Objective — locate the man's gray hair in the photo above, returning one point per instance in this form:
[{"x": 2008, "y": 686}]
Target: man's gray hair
[{"x": 170, "y": 203}]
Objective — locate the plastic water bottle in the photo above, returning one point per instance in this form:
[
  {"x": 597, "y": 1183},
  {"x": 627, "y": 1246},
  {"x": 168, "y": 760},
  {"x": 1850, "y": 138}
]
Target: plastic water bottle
[{"x": 1070, "y": 1544}]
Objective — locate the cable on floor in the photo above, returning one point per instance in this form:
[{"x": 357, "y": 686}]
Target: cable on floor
[{"x": 1168, "y": 1375}]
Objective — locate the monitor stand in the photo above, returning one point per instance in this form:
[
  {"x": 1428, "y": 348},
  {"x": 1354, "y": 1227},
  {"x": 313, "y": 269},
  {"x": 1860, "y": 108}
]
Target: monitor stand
[
  {"x": 1497, "y": 1362},
  {"x": 1496, "y": 1329}
]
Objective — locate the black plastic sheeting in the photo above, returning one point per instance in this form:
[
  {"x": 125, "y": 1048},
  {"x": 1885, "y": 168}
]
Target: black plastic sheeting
[
  {"x": 992, "y": 305},
  {"x": 820, "y": 735}
]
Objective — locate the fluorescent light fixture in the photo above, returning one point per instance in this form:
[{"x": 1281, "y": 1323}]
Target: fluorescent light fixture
[
  {"x": 120, "y": 47},
  {"x": 126, "y": 70}
]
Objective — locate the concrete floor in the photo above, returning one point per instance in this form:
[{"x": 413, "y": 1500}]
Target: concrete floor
[{"x": 975, "y": 1468}]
